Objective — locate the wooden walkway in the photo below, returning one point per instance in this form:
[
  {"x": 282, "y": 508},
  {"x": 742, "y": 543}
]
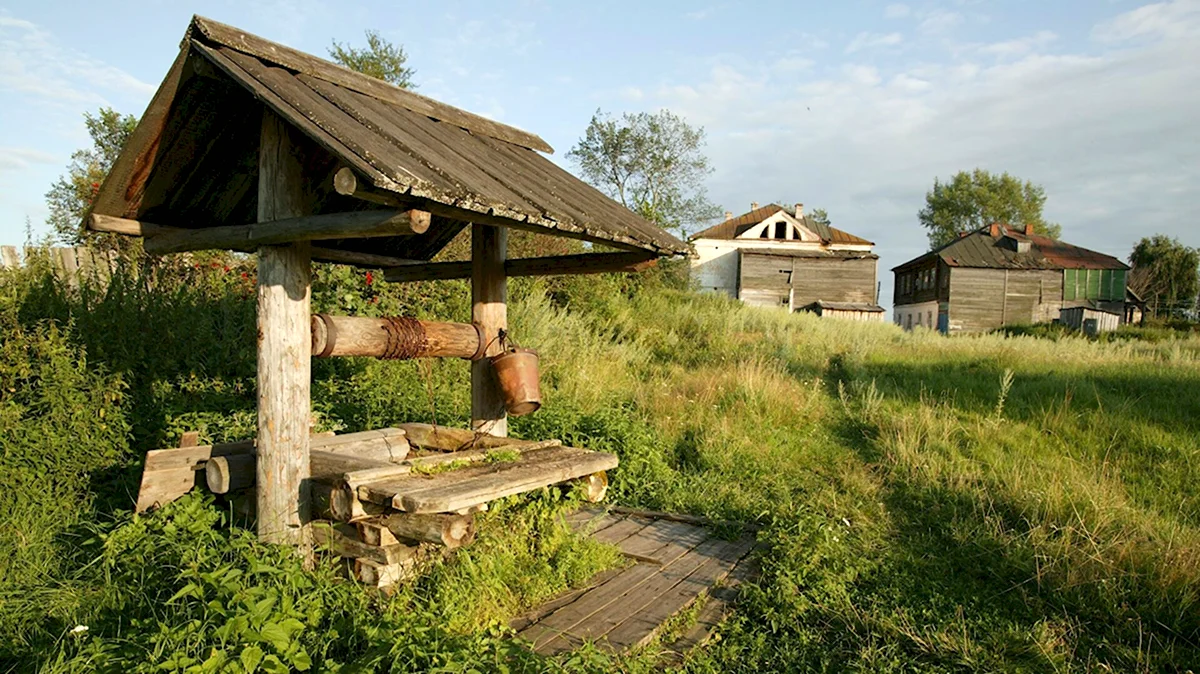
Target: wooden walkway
[{"x": 674, "y": 564}]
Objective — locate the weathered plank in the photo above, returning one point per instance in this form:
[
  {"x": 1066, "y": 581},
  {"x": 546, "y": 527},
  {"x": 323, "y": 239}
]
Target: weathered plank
[
  {"x": 619, "y": 531},
  {"x": 548, "y": 630},
  {"x": 680, "y": 587},
  {"x": 489, "y": 311},
  {"x": 509, "y": 479},
  {"x": 351, "y": 225},
  {"x": 525, "y": 620},
  {"x": 719, "y": 604},
  {"x": 651, "y": 542},
  {"x": 579, "y": 263},
  {"x": 305, "y": 63}
]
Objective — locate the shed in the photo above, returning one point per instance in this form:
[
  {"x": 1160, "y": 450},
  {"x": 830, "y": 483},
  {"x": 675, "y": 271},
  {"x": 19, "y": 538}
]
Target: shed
[
  {"x": 853, "y": 311},
  {"x": 1091, "y": 320},
  {"x": 251, "y": 146}
]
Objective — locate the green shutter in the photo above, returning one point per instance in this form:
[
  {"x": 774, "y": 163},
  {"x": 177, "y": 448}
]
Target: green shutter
[
  {"x": 1119, "y": 285},
  {"x": 1069, "y": 284},
  {"x": 1093, "y": 284}
]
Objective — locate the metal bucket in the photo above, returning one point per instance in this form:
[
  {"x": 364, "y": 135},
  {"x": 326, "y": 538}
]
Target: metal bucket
[{"x": 517, "y": 371}]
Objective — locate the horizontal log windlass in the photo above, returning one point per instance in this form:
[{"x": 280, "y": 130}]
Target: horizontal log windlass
[{"x": 394, "y": 337}]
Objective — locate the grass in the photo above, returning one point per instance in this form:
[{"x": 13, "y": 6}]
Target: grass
[{"x": 989, "y": 503}]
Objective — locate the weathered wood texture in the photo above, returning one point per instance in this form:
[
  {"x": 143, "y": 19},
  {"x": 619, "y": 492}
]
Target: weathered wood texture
[
  {"x": 582, "y": 263},
  {"x": 114, "y": 225},
  {"x": 489, "y": 311},
  {"x": 677, "y": 564},
  {"x": 350, "y": 225},
  {"x": 343, "y": 540},
  {"x": 171, "y": 473},
  {"x": 309, "y": 65},
  {"x": 393, "y": 337},
  {"x": 450, "y": 531},
  {"x": 986, "y": 299},
  {"x": 445, "y": 439},
  {"x": 284, "y": 357},
  {"x": 779, "y": 281},
  {"x": 473, "y": 485}
]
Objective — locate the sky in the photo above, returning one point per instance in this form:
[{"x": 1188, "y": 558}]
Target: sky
[{"x": 854, "y": 106}]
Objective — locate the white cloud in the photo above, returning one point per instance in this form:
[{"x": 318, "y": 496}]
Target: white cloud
[
  {"x": 1109, "y": 132},
  {"x": 1019, "y": 46},
  {"x": 632, "y": 94},
  {"x": 21, "y": 158},
  {"x": 32, "y": 62},
  {"x": 701, "y": 14},
  {"x": 1164, "y": 19},
  {"x": 939, "y": 21},
  {"x": 873, "y": 41},
  {"x": 897, "y": 11}
]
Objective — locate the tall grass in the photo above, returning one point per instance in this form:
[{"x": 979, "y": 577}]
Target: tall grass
[{"x": 990, "y": 503}]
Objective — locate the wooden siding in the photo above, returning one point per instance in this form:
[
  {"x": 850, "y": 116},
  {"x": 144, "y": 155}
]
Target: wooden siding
[
  {"x": 777, "y": 281},
  {"x": 833, "y": 281},
  {"x": 986, "y": 299}
]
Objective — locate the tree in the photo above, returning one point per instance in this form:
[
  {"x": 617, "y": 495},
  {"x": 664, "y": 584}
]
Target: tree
[
  {"x": 380, "y": 59},
  {"x": 820, "y": 216},
  {"x": 651, "y": 163},
  {"x": 71, "y": 196},
  {"x": 1165, "y": 274},
  {"x": 970, "y": 201}
]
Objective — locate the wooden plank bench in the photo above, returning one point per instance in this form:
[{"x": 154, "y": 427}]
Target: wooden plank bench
[{"x": 466, "y": 487}]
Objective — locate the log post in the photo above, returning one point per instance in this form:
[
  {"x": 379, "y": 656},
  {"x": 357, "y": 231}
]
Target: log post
[
  {"x": 284, "y": 348},
  {"x": 489, "y": 294}
]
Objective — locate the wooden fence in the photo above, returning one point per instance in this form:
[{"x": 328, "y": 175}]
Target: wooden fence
[{"x": 69, "y": 263}]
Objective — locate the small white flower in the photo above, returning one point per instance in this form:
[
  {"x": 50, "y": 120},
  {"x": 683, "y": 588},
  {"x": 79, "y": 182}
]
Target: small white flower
[
  {"x": 845, "y": 521},
  {"x": 79, "y": 629}
]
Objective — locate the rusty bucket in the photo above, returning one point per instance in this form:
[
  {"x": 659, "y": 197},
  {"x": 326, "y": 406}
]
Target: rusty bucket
[{"x": 517, "y": 370}]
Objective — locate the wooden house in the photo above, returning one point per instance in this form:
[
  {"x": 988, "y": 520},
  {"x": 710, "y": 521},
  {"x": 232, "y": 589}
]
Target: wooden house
[
  {"x": 773, "y": 257},
  {"x": 1002, "y": 275},
  {"x": 251, "y": 146}
]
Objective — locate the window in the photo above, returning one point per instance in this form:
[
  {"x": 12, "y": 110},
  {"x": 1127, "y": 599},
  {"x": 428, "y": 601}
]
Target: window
[
  {"x": 929, "y": 319},
  {"x": 781, "y": 230},
  {"x": 908, "y": 322}
]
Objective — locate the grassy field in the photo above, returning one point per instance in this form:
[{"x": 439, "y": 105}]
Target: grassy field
[{"x": 927, "y": 504}]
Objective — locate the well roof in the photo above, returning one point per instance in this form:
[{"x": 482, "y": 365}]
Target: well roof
[
  {"x": 735, "y": 227},
  {"x": 981, "y": 249},
  {"x": 192, "y": 161}
]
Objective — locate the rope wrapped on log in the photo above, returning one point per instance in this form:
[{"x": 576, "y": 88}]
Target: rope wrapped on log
[{"x": 394, "y": 338}]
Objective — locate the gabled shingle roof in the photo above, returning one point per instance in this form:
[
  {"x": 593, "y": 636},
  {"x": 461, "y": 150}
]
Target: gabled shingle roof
[
  {"x": 735, "y": 227},
  {"x": 192, "y": 162},
  {"x": 981, "y": 249}
]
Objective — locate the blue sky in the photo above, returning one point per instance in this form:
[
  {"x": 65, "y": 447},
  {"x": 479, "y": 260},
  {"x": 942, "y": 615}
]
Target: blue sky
[{"x": 852, "y": 106}]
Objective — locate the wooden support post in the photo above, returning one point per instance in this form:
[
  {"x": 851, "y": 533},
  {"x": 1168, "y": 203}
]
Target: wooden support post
[
  {"x": 489, "y": 310},
  {"x": 284, "y": 348}
]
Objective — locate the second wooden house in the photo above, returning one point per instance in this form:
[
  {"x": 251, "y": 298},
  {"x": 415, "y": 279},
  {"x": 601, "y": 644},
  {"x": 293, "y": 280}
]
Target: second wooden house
[
  {"x": 1001, "y": 275},
  {"x": 777, "y": 257}
]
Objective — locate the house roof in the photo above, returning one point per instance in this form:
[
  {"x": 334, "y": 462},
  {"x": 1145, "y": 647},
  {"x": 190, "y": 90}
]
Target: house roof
[
  {"x": 815, "y": 253},
  {"x": 192, "y": 161},
  {"x": 981, "y": 249},
  {"x": 843, "y": 306},
  {"x": 735, "y": 227}
]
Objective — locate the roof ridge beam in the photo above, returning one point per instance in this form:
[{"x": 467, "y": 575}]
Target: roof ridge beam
[{"x": 298, "y": 61}]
